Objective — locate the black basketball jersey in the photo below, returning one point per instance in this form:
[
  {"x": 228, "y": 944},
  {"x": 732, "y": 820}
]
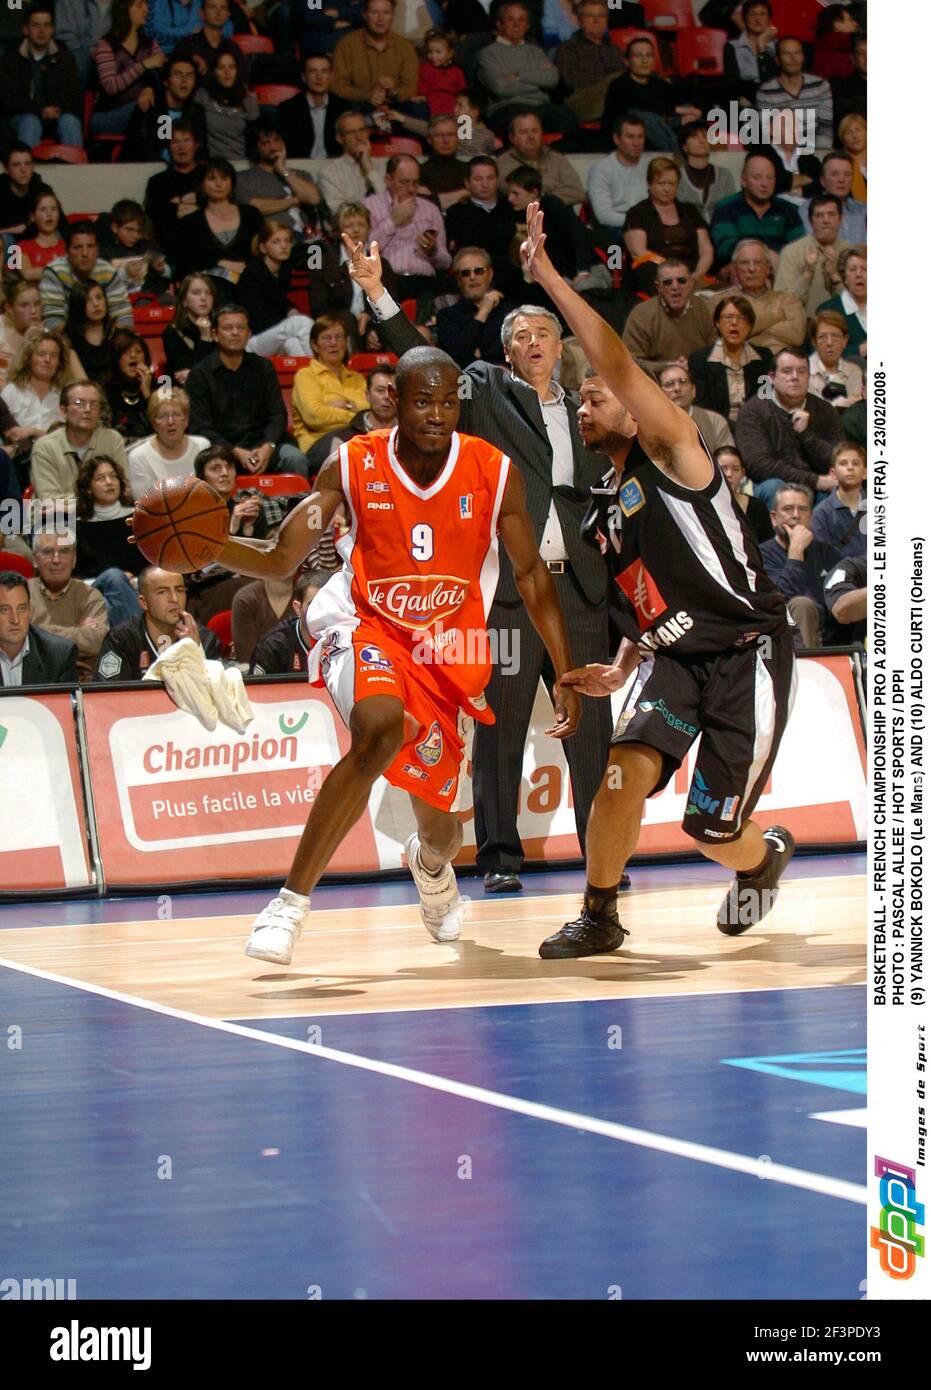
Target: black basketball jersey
[{"x": 686, "y": 567}]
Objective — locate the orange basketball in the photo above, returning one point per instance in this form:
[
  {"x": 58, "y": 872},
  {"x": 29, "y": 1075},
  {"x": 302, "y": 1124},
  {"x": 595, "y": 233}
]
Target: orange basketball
[{"x": 181, "y": 524}]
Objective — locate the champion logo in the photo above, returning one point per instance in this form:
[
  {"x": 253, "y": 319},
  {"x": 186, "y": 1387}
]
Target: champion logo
[{"x": 418, "y": 601}]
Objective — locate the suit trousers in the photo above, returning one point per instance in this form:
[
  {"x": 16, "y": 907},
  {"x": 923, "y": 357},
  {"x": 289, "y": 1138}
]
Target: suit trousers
[{"x": 498, "y": 749}]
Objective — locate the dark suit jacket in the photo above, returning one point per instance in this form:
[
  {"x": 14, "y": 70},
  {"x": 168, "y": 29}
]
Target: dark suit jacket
[
  {"x": 297, "y": 132},
  {"x": 710, "y": 379},
  {"x": 50, "y": 660},
  {"x": 459, "y": 334},
  {"x": 507, "y": 413}
]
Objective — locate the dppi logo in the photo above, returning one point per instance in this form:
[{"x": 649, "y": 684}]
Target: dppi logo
[{"x": 895, "y": 1237}]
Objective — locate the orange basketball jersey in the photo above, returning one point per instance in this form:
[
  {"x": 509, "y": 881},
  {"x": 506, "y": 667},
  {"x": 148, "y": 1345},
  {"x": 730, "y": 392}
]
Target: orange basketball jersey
[{"x": 421, "y": 564}]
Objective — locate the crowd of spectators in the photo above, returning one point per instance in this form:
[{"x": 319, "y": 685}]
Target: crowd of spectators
[{"x": 742, "y": 290}]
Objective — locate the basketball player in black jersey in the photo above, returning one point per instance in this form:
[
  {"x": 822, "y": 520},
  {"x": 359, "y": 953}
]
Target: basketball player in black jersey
[{"x": 706, "y": 628}]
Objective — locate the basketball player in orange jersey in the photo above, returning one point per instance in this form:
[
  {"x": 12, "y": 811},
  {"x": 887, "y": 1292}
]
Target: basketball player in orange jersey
[
  {"x": 710, "y": 637},
  {"x": 401, "y": 643}
]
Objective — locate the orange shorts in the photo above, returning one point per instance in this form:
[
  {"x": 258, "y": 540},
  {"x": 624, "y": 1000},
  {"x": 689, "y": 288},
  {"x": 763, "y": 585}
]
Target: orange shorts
[{"x": 356, "y": 664}]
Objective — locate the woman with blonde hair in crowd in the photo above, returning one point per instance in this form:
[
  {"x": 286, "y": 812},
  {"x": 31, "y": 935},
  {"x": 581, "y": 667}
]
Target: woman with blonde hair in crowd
[
  {"x": 170, "y": 451},
  {"x": 278, "y": 328},
  {"x": 33, "y": 389},
  {"x": 326, "y": 393},
  {"x": 22, "y": 310}
]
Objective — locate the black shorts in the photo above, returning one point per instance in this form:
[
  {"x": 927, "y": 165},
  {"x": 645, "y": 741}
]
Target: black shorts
[{"x": 738, "y": 703}]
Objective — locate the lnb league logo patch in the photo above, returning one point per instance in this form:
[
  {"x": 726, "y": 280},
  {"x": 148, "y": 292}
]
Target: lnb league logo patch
[{"x": 374, "y": 656}]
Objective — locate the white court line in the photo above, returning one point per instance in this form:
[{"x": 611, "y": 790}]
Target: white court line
[{"x": 609, "y": 1129}]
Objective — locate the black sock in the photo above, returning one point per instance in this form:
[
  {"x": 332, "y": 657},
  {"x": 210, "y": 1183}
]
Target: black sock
[
  {"x": 761, "y": 868},
  {"x": 601, "y": 900}
]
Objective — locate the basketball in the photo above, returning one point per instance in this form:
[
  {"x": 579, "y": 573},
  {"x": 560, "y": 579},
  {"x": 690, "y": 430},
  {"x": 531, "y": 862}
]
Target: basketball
[{"x": 181, "y": 524}]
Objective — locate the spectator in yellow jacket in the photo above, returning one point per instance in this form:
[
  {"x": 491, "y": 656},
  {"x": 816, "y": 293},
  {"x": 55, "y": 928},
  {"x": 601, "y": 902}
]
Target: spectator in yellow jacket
[{"x": 326, "y": 393}]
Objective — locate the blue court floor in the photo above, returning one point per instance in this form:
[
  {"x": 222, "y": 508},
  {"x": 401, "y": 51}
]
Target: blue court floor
[{"x": 637, "y": 1148}]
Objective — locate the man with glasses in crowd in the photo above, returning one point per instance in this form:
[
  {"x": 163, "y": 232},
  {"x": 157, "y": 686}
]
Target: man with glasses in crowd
[
  {"x": 470, "y": 328},
  {"x": 67, "y": 607},
  {"x": 671, "y": 325},
  {"x": 58, "y": 455},
  {"x": 779, "y": 316}
]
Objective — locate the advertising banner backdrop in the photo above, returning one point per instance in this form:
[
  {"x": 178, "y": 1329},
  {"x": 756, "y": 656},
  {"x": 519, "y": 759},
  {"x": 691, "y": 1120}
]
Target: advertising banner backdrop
[
  {"x": 43, "y": 839},
  {"x": 176, "y": 804}
]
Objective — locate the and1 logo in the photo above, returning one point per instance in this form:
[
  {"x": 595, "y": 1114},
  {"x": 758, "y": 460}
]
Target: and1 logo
[
  {"x": 465, "y": 507},
  {"x": 729, "y": 809},
  {"x": 373, "y": 656},
  {"x": 701, "y": 800},
  {"x": 431, "y": 750},
  {"x": 447, "y": 786}
]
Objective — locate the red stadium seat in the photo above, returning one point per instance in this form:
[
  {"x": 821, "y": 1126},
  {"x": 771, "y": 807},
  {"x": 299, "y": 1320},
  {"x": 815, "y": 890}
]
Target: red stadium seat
[
  {"x": 669, "y": 14},
  {"x": 253, "y": 43},
  {"x": 274, "y": 93},
  {"x": 365, "y": 361},
  {"x": 700, "y": 52},
  {"x": 287, "y": 368},
  {"x": 409, "y": 307},
  {"x": 9, "y": 560},
  {"x": 83, "y": 216},
  {"x": 47, "y": 150},
  {"x": 221, "y": 625},
  {"x": 116, "y": 142},
  {"x": 797, "y": 17},
  {"x": 274, "y": 484},
  {"x": 400, "y": 144}
]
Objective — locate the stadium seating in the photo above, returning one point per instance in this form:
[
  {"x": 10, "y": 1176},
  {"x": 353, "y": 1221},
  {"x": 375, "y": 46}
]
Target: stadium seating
[
  {"x": 253, "y": 44},
  {"x": 47, "y": 151},
  {"x": 9, "y": 560},
  {"x": 669, "y": 14},
  {"x": 274, "y": 484},
  {"x": 365, "y": 361},
  {"x": 274, "y": 93},
  {"x": 700, "y": 52},
  {"x": 221, "y": 625}
]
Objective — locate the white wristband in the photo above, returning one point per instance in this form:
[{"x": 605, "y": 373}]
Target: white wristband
[{"x": 385, "y": 308}]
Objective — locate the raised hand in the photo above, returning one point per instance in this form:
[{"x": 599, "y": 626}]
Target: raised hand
[
  {"x": 364, "y": 269},
  {"x": 532, "y": 255}
]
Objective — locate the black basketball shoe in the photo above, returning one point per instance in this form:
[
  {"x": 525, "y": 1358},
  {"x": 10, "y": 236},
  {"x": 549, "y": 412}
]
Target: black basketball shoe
[
  {"x": 749, "y": 899},
  {"x": 592, "y": 934}
]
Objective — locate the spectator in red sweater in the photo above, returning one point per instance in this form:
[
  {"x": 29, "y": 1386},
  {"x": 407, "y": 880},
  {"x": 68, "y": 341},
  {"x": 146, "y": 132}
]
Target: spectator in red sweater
[{"x": 440, "y": 80}]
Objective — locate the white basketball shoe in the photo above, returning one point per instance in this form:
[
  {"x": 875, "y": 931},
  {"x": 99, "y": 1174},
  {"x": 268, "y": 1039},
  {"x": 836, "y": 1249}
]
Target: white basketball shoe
[
  {"x": 275, "y": 931},
  {"x": 441, "y": 907}
]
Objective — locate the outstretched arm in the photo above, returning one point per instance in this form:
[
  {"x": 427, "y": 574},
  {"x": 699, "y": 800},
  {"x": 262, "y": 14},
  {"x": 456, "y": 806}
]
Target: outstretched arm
[
  {"x": 296, "y": 536},
  {"x": 536, "y": 588},
  {"x": 661, "y": 423}
]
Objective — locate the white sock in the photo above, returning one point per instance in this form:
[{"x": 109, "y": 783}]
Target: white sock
[{"x": 299, "y": 899}]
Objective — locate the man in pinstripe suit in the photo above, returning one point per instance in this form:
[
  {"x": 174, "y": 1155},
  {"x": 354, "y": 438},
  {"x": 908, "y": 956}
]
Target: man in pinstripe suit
[{"x": 525, "y": 413}]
